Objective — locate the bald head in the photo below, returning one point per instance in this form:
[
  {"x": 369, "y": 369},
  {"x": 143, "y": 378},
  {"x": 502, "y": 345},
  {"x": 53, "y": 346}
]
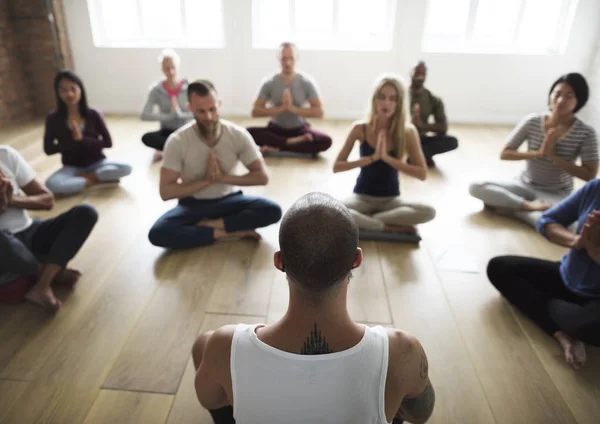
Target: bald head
[
  {"x": 418, "y": 75},
  {"x": 318, "y": 239}
]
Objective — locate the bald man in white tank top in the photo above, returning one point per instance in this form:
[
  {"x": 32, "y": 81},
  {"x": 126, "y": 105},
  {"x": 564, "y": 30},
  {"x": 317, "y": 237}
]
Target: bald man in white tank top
[{"x": 315, "y": 365}]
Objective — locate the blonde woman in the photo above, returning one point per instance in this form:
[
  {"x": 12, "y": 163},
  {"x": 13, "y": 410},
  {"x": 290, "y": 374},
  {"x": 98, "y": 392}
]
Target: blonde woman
[
  {"x": 169, "y": 96},
  {"x": 386, "y": 138}
]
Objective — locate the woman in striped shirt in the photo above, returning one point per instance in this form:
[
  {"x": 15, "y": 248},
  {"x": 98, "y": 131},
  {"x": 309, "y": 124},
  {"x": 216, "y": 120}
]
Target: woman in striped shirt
[{"x": 555, "y": 141}]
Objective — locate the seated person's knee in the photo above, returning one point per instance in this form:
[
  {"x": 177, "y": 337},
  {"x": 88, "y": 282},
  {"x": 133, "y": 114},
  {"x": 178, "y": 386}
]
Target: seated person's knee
[
  {"x": 429, "y": 213},
  {"x": 85, "y": 213},
  {"x": 159, "y": 235},
  {"x": 475, "y": 189}
]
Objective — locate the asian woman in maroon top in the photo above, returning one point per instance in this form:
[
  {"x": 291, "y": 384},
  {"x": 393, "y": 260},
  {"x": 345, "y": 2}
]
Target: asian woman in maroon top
[{"x": 79, "y": 134}]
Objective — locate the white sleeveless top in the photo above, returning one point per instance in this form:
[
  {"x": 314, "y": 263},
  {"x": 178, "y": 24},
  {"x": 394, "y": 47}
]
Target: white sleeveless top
[{"x": 271, "y": 386}]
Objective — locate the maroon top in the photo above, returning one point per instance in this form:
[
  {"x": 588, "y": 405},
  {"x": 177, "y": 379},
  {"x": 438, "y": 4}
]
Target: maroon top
[{"x": 58, "y": 138}]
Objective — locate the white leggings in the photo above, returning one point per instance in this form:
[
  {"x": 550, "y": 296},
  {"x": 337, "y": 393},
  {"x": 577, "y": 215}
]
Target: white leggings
[
  {"x": 374, "y": 213},
  {"x": 508, "y": 197}
]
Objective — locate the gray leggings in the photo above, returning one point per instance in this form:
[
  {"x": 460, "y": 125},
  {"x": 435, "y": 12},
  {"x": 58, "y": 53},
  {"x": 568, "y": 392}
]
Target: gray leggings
[
  {"x": 66, "y": 182},
  {"x": 508, "y": 196},
  {"x": 374, "y": 213}
]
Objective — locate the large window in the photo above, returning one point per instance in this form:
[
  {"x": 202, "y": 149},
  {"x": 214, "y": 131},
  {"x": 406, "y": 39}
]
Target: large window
[
  {"x": 498, "y": 26},
  {"x": 157, "y": 23},
  {"x": 324, "y": 24}
]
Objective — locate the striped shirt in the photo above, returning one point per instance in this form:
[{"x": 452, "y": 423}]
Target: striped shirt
[{"x": 578, "y": 142}]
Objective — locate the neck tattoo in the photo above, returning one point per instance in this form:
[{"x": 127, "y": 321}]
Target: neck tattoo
[{"x": 315, "y": 344}]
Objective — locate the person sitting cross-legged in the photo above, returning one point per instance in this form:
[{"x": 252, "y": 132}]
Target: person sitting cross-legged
[
  {"x": 283, "y": 97},
  {"x": 562, "y": 298},
  {"x": 34, "y": 253},
  {"x": 316, "y": 364},
  {"x": 197, "y": 169}
]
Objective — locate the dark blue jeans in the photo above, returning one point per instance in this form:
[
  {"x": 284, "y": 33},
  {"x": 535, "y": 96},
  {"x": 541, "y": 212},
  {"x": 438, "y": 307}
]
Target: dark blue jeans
[{"x": 177, "y": 228}]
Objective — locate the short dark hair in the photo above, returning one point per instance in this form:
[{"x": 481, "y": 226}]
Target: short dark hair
[
  {"x": 318, "y": 238},
  {"x": 579, "y": 85},
  {"x": 201, "y": 88}
]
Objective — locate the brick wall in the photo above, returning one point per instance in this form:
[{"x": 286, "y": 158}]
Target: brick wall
[{"x": 32, "y": 48}]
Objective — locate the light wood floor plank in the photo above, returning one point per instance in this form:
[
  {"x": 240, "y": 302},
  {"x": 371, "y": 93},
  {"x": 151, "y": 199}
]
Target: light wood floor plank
[
  {"x": 580, "y": 390},
  {"x": 10, "y": 392},
  {"x": 516, "y": 383},
  {"x": 52, "y": 404},
  {"x": 167, "y": 329},
  {"x": 418, "y": 305},
  {"x": 367, "y": 298},
  {"x": 117, "y": 407},
  {"x": 243, "y": 286},
  {"x": 186, "y": 408}
]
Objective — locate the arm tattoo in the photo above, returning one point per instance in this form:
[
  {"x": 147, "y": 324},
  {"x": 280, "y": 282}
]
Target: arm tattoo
[
  {"x": 315, "y": 344},
  {"x": 424, "y": 366},
  {"x": 419, "y": 409}
]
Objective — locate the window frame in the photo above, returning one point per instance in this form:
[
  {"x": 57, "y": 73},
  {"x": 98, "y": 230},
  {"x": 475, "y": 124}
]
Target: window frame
[
  {"x": 380, "y": 42},
  {"x": 466, "y": 43},
  {"x": 98, "y": 22}
]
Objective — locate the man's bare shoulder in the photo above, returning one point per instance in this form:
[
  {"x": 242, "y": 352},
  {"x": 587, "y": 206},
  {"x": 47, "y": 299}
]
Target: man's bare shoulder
[
  {"x": 219, "y": 343},
  {"x": 406, "y": 354}
]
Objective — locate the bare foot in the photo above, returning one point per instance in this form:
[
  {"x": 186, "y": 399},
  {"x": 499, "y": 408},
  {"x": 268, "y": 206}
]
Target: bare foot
[
  {"x": 44, "y": 298},
  {"x": 400, "y": 229},
  {"x": 212, "y": 223},
  {"x": 67, "y": 277},
  {"x": 535, "y": 205},
  {"x": 300, "y": 139},
  {"x": 574, "y": 350},
  {"x": 91, "y": 178},
  {"x": 248, "y": 234},
  {"x": 268, "y": 149},
  {"x": 158, "y": 155}
]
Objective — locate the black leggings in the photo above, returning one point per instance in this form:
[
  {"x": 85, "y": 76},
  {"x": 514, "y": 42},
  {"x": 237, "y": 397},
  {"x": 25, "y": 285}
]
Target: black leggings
[
  {"x": 536, "y": 288},
  {"x": 436, "y": 144},
  {"x": 157, "y": 139},
  {"x": 53, "y": 241}
]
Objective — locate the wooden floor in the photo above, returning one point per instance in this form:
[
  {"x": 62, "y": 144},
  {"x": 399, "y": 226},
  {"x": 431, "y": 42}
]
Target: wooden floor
[{"x": 119, "y": 351}]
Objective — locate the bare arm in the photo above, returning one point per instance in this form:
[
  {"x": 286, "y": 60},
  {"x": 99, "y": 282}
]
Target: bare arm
[
  {"x": 513, "y": 154},
  {"x": 314, "y": 111},
  {"x": 586, "y": 172},
  {"x": 260, "y": 109},
  {"x": 209, "y": 390},
  {"x": 37, "y": 197},
  {"x": 418, "y": 404},
  {"x": 559, "y": 234},
  {"x": 171, "y": 188},
  {"x": 341, "y": 163},
  {"x": 417, "y": 168},
  {"x": 256, "y": 176}
]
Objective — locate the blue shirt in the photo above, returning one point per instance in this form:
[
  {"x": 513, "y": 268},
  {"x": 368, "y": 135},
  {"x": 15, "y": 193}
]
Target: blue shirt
[{"x": 580, "y": 273}]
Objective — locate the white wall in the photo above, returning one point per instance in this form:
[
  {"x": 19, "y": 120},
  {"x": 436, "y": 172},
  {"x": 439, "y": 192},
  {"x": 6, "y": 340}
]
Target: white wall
[
  {"x": 592, "y": 112},
  {"x": 475, "y": 88}
]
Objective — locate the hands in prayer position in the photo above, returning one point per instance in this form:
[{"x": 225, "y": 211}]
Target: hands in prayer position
[
  {"x": 76, "y": 130},
  {"x": 589, "y": 238},
  {"x": 416, "y": 116},
  {"x": 213, "y": 171},
  {"x": 6, "y": 192},
  {"x": 286, "y": 100}
]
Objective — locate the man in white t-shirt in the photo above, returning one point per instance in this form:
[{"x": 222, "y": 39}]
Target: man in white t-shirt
[
  {"x": 198, "y": 170},
  {"x": 314, "y": 365},
  {"x": 32, "y": 248},
  {"x": 288, "y": 98}
]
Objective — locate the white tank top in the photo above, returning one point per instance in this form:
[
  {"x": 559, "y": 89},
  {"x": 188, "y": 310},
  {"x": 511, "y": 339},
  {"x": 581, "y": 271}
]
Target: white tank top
[{"x": 271, "y": 386}]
